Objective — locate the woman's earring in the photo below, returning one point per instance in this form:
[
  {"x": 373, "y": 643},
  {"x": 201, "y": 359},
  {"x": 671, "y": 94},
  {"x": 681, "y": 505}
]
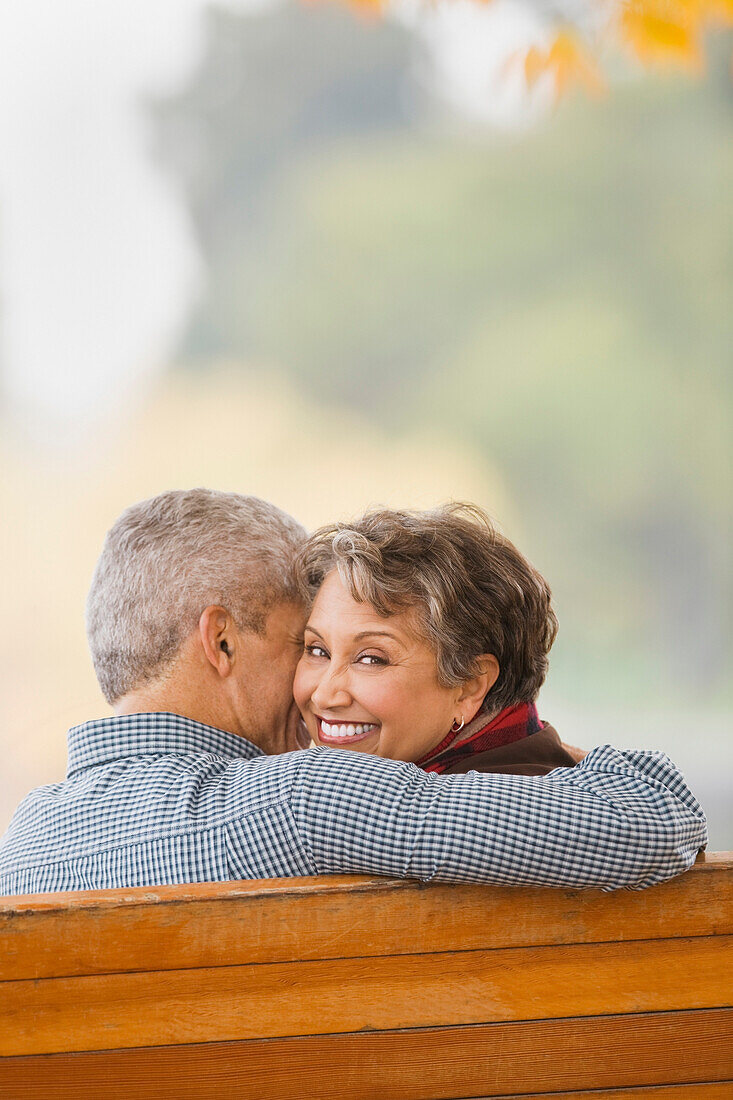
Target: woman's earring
[{"x": 457, "y": 729}]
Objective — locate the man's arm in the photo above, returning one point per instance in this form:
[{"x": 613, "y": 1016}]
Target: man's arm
[{"x": 618, "y": 819}]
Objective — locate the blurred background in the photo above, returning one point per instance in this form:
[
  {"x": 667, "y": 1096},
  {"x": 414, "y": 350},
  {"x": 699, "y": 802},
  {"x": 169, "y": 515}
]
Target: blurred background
[{"x": 335, "y": 259}]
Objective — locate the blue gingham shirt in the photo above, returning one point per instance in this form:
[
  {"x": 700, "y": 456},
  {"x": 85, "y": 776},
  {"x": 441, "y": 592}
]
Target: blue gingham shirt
[{"x": 157, "y": 798}]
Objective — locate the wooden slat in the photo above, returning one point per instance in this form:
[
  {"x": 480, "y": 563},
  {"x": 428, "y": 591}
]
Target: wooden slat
[
  {"x": 438, "y": 1063},
  {"x": 342, "y": 995},
  {"x": 54, "y": 935},
  {"x": 715, "y": 1090}
]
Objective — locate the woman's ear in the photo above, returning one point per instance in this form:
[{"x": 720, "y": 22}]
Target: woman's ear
[
  {"x": 474, "y": 691},
  {"x": 216, "y": 634}
]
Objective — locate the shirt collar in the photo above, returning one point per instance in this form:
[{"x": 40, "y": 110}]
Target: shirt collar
[{"x": 106, "y": 739}]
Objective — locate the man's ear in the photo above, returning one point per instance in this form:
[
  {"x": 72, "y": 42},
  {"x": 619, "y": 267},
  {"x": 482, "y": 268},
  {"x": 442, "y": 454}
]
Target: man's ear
[
  {"x": 473, "y": 691},
  {"x": 216, "y": 631}
]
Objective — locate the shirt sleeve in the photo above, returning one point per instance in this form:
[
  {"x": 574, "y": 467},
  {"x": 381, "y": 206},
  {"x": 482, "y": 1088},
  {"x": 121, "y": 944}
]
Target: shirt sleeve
[{"x": 618, "y": 819}]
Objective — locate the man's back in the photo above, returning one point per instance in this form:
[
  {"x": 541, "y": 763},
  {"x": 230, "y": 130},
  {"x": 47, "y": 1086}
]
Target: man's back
[
  {"x": 158, "y": 798},
  {"x": 150, "y": 799}
]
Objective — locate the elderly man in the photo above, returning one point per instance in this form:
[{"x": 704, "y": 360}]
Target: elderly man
[{"x": 195, "y": 624}]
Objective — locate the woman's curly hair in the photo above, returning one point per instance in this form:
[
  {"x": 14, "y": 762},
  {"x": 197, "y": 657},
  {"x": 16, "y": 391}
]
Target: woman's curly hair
[{"x": 471, "y": 590}]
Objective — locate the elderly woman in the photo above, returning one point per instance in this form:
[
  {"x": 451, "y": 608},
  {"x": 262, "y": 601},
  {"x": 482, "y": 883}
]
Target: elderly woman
[{"x": 427, "y": 641}]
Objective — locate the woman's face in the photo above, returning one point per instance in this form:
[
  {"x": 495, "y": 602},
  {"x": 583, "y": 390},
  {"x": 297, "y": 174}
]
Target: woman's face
[{"x": 370, "y": 683}]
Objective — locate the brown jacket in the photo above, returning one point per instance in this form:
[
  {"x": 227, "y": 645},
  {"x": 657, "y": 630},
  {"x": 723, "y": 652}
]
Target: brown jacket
[{"x": 537, "y": 754}]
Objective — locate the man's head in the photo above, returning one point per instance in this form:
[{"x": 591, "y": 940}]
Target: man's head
[{"x": 194, "y": 606}]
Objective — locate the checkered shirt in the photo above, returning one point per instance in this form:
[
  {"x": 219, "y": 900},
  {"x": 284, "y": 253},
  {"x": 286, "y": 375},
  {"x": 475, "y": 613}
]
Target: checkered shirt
[{"x": 157, "y": 798}]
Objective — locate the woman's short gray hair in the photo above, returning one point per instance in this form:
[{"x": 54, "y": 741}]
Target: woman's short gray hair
[
  {"x": 168, "y": 558},
  {"x": 470, "y": 588}
]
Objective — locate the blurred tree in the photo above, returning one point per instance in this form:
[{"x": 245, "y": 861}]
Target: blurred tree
[{"x": 274, "y": 86}]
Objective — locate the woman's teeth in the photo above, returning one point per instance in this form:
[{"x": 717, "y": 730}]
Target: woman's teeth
[{"x": 346, "y": 730}]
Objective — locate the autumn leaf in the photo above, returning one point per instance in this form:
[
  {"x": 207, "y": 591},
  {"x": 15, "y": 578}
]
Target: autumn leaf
[
  {"x": 721, "y": 9},
  {"x": 665, "y": 30},
  {"x": 368, "y": 8},
  {"x": 657, "y": 31},
  {"x": 567, "y": 61}
]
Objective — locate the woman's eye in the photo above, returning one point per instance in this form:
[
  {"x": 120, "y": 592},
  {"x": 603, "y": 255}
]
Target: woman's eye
[
  {"x": 372, "y": 659},
  {"x": 315, "y": 651}
]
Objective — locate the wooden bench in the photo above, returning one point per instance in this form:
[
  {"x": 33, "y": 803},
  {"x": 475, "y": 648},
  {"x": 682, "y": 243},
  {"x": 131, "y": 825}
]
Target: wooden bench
[{"x": 343, "y": 987}]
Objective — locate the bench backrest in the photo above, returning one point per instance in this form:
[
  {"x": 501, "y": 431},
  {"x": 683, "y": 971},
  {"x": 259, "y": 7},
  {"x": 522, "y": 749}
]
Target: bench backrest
[{"x": 346, "y": 987}]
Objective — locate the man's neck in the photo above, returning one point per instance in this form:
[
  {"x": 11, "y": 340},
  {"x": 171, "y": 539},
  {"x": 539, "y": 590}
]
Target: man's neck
[{"x": 170, "y": 698}]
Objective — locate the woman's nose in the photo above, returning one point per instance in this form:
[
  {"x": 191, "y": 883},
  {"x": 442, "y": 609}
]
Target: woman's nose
[{"x": 331, "y": 691}]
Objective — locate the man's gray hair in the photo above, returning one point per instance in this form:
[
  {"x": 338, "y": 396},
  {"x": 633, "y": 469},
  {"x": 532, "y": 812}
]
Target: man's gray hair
[{"x": 168, "y": 558}]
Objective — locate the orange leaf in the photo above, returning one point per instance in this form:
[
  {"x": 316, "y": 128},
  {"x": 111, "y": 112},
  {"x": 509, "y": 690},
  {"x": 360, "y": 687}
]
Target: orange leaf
[
  {"x": 567, "y": 61},
  {"x": 572, "y": 64},
  {"x": 535, "y": 64},
  {"x": 664, "y": 30},
  {"x": 369, "y": 8},
  {"x": 721, "y": 10}
]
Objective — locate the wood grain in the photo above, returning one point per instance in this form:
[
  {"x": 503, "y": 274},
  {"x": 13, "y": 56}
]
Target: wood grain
[
  {"x": 439, "y": 1063},
  {"x": 215, "y": 924},
  {"x": 343, "y": 995},
  {"x": 715, "y": 1090}
]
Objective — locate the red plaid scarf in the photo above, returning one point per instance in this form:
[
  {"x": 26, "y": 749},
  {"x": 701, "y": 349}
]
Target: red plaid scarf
[{"x": 511, "y": 724}]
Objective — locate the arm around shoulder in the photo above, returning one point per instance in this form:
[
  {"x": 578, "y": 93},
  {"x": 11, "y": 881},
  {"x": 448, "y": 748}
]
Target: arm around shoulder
[
  {"x": 619, "y": 819},
  {"x": 660, "y": 825}
]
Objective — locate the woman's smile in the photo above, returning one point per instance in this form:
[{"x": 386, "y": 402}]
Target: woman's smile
[
  {"x": 340, "y": 731},
  {"x": 369, "y": 682}
]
